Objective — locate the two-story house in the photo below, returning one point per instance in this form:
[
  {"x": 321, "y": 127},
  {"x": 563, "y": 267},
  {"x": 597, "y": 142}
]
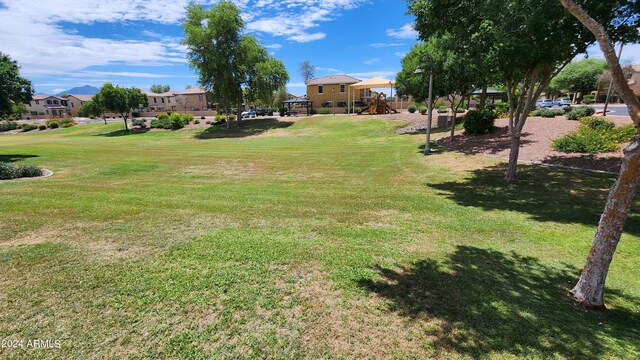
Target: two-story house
[
  {"x": 75, "y": 101},
  {"x": 332, "y": 89},
  {"x": 43, "y": 105}
]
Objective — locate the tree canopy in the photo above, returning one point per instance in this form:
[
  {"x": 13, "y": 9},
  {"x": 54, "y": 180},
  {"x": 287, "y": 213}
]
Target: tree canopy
[
  {"x": 307, "y": 70},
  {"x": 580, "y": 76},
  {"x": 122, "y": 100},
  {"x": 524, "y": 43},
  {"x": 14, "y": 89},
  {"x": 158, "y": 89},
  {"x": 229, "y": 64}
]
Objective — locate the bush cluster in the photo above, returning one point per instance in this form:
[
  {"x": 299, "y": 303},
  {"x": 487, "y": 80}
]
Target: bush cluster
[
  {"x": 325, "y": 111},
  {"x": 478, "y": 122},
  {"x": 587, "y": 99},
  {"x": 579, "y": 112},
  {"x": 8, "y": 125},
  {"x": 139, "y": 122},
  {"x": 595, "y": 135},
  {"x": 28, "y": 127},
  {"x": 42, "y": 127},
  {"x": 412, "y": 108},
  {"x": 548, "y": 113},
  {"x": 8, "y": 171},
  {"x": 423, "y": 110}
]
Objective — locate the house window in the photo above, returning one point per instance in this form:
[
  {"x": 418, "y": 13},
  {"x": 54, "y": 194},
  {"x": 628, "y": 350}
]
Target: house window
[
  {"x": 37, "y": 102},
  {"x": 342, "y": 88},
  {"x": 200, "y": 98},
  {"x": 162, "y": 100},
  {"x": 169, "y": 100},
  {"x": 72, "y": 104},
  {"x": 34, "y": 113},
  {"x": 155, "y": 100},
  {"x": 56, "y": 102},
  {"x": 49, "y": 102},
  {"x": 320, "y": 89}
]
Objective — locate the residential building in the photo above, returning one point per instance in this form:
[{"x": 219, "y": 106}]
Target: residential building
[
  {"x": 334, "y": 89},
  {"x": 43, "y": 105},
  {"x": 192, "y": 99},
  {"x": 75, "y": 102},
  {"x": 195, "y": 99},
  {"x": 161, "y": 102}
]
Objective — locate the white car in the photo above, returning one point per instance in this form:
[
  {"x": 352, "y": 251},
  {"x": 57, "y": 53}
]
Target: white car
[
  {"x": 544, "y": 103},
  {"x": 249, "y": 113}
]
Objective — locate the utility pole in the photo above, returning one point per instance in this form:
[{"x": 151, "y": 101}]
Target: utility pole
[{"x": 606, "y": 101}]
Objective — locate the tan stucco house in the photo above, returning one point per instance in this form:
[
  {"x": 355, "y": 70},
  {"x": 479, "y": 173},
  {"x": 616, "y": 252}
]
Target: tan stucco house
[
  {"x": 332, "y": 88},
  {"x": 43, "y": 105}
]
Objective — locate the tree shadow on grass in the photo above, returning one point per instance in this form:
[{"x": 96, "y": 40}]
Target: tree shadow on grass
[
  {"x": 124, "y": 132},
  {"x": 497, "y": 141},
  {"x": 248, "y": 127},
  {"x": 486, "y": 301},
  {"x": 15, "y": 157},
  {"x": 547, "y": 194}
]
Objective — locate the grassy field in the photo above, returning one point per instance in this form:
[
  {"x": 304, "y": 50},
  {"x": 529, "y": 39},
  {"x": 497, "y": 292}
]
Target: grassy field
[{"x": 328, "y": 237}]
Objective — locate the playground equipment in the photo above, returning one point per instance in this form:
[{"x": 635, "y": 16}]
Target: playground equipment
[{"x": 378, "y": 105}]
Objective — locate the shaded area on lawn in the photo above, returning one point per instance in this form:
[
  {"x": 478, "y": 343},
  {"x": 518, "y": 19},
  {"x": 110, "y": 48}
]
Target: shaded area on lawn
[
  {"x": 547, "y": 194},
  {"x": 123, "y": 132},
  {"x": 15, "y": 157},
  {"x": 247, "y": 128},
  {"x": 585, "y": 161},
  {"x": 497, "y": 141},
  {"x": 486, "y": 301}
]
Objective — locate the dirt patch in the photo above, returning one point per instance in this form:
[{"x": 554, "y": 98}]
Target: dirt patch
[{"x": 537, "y": 137}]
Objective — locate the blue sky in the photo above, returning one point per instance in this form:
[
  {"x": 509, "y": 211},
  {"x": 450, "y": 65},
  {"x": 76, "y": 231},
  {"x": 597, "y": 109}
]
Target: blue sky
[{"x": 61, "y": 44}]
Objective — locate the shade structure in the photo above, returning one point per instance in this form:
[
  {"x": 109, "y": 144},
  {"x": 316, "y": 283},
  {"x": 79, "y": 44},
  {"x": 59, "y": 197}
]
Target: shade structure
[{"x": 373, "y": 83}]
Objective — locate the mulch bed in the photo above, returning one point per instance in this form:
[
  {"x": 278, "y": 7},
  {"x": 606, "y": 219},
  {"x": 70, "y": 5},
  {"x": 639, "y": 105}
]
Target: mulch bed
[{"x": 537, "y": 136}]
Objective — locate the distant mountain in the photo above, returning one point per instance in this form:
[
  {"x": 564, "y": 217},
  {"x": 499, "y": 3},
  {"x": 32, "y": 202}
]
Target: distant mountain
[{"x": 82, "y": 90}]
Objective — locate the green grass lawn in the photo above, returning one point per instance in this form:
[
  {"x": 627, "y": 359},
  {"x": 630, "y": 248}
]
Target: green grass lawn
[{"x": 329, "y": 237}]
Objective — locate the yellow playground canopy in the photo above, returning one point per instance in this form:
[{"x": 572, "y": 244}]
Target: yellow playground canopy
[{"x": 373, "y": 83}]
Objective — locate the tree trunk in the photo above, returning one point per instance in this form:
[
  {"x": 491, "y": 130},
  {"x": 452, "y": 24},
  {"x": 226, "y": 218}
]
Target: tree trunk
[
  {"x": 513, "y": 158},
  {"x": 239, "y": 117},
  {"x": 126, "y": 127},
  {"x": 483, "y": 97},
  {"x": 589, "y": 291}
]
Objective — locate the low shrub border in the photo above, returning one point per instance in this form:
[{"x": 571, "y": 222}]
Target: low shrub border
[
  {"x": 11, "y": 172},
  {"x": 595, "y": 135}
]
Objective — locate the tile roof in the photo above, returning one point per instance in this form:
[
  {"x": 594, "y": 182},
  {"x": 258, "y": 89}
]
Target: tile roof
[
  {"x": 81, "y": 97},
  {"x": 333, "y": 79},
  {"x": 193, "y": 90},
  {"x": 45, "y": 96}
]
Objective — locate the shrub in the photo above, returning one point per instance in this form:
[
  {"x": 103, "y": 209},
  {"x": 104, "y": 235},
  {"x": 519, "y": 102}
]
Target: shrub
[
  {"x": 573, "y": 115},
  {"x": 232, "y": 117},
  {"x": 580, "y": 112},
  {"x": 8, "y": 125},
  {"x": 412, "y": 108},
  {"x": 312, "y": 111},
  {"x": 8, "y": 171},
  {"x": 187, "y": 118},
  {"x": 67, "y": 122},
  {"x": 196, "y": 122},
  {"x": 91, "y": 117},
  {"x": 220, "y": 117},
  {"x": 595, "y": 135},
  {"x": 160, "y": 124},
  {"x": 325, "y": 111},
  {"x": 139, "y": 122},
  {"x": 177, "y": 121},
  {"x": 202, "y": 117},
  {"x": 42, "y": 127},
  {"x": 423, "y": 110},
  {"x": 53, "y": 124},
  {"x": 548, "y": 113},
  {"x": 597, "y": 123},
  {"x": 162, "y": 116},
  {"x": 587, "y": 99},
  {"x": 28, "y": 127},
  {"x": 477, "y": 122},
  {"x": 325, "y": 104},
  {"x": 442, "y": 110},
  {"x": 208, "y": 122},
  {"x": 567, "y": 109}
]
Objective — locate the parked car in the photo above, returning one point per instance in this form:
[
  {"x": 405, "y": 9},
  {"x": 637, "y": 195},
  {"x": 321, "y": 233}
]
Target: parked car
[
  {"x": 261, "y": 112},
  {"x": 249, "y": 113},
  {"x": 544, "y": 103},
  {"x": 563, "y": 102}
]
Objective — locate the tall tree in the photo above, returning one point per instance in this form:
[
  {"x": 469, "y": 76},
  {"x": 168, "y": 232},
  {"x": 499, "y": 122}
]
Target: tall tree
[
  {"x": 158, "y": 89},
  {"x": 589, "y": 291},
  {"x": 14, "y": 89},
  {"x": 229, "y": 64},
  {"x": 526, "y": 42},
  {"x": 307, "y": 70},
  {"x": 122, "y": 100},
  {"x": 580, "y": 76}
]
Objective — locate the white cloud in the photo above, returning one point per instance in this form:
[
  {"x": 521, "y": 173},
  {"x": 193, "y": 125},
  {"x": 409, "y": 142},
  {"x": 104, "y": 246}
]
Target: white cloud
[
  {"x": 405, "y": 32},
  {"x": 400, "y": 53},
  {"x": 108, "y": 74},
  {"x": 273, "y": 46},
  {"x": 308, "y": 37},
  {"x": 55, "y": 91},
  {"x": 382, "y": 45},
  {"x": 372, "y": 61},
  {"x": 296, "y": 85}
]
